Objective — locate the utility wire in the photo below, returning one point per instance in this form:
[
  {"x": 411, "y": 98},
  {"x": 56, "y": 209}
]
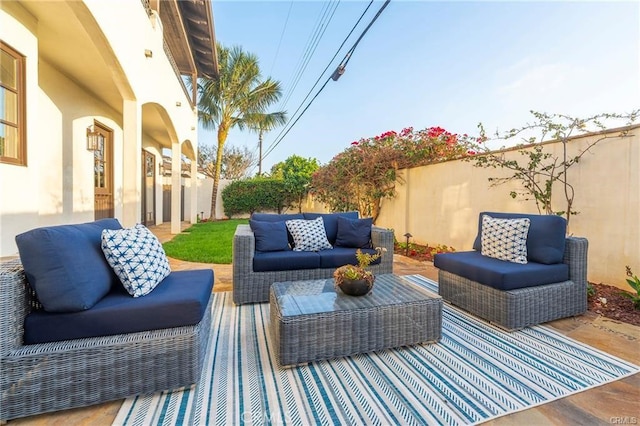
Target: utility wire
[
  {"x": 286, "y": 21},
  {"x": 325, "y": 69},
  {"x": 337, "y": 73},
  {"x": 315, "y": 41}
]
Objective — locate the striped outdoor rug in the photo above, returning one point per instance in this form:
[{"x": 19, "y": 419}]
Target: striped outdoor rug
[{"x": 476, "y": 372}]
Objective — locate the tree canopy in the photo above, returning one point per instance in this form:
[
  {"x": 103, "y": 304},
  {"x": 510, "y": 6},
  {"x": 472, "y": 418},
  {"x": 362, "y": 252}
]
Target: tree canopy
[{"x": 233, "y": 100}]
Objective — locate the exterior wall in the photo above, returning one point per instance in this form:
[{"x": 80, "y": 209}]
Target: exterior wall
[
  {"x": 151, "y": 111},
  {"x": 440, "y": 203}
]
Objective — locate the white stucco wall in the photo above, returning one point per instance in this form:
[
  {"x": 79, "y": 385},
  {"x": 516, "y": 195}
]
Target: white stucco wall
[{"x": 56, "y": 186}]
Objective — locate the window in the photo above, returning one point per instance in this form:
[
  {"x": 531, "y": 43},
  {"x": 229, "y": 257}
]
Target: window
[{"x": 12, "y": 106}]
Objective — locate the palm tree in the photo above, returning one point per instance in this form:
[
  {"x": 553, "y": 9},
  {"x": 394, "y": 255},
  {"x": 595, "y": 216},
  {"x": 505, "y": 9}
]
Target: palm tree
[
  {"x": 233, "y": 100},
  {"x": 265, "y": 122}
]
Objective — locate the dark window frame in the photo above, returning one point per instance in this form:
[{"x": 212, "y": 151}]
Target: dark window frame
[{"x": 20, "y": 90}]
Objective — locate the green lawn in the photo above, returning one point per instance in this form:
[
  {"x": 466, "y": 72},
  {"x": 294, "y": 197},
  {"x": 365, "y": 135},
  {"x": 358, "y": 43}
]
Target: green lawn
[{"x": 208, "y": 242}]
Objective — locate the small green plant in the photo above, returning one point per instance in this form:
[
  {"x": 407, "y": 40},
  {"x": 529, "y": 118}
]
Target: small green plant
[
  {"x": 634, "y": 282},
  {"x": 358, "y": 272},
  {"x": 591, "y": 290}
]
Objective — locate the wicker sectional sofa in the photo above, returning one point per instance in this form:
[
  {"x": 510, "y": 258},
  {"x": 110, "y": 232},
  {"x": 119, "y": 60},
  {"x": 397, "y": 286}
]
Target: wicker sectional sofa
[
  {"x": 50, "y": 374},
  {"x": 552, "y": 284},
  {"x": 251, "y": 282}
]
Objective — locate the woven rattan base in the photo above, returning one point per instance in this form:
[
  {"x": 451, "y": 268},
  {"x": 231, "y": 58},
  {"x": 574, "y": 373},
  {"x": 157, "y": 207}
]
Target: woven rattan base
[
  {"x": 312, "y": 321},
  {"x": 56, "y": 376},
  {"x": 514, "y": 309}
]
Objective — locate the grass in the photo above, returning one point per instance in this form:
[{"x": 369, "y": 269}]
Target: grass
[{"x": 207, "y": 242}]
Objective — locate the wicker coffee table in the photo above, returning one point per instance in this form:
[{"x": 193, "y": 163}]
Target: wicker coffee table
[{"x": 311, "y": 321}]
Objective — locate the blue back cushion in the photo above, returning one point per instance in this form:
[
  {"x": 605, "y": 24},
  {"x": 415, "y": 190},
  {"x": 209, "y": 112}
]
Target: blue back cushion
[
  {"x": 546, "y": 238},
  {"x": 273, "y": 217},
  {"x": 331, "y": 222},
  {"x": 354, "y": 232},
  {"x": 270, "y": 236},
  {"x": 179, "y": 300},
  {"x": 65, "y": 264}
]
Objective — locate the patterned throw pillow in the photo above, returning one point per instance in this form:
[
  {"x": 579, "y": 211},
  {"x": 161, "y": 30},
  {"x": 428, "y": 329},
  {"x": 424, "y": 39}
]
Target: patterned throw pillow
[
  {"x": 308, "y": 235},
  {"x": 505, "y": 239},
  {"x": 137, "y": 258}
]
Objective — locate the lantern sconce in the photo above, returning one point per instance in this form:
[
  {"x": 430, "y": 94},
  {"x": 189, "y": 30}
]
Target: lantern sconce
[
  {"x": 95, "y": 139},
  {"x": 148, "y": 53}
]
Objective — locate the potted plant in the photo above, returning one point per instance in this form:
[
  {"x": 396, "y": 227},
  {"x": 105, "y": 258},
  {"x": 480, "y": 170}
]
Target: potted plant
[{"x": 356, "y": 280}]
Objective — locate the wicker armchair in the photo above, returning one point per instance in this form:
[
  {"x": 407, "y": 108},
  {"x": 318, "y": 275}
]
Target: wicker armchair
[
  {"x": 518, "y": 308},
  {"x": 253, "y": 287},
  {"x": 55, "y": 376}
]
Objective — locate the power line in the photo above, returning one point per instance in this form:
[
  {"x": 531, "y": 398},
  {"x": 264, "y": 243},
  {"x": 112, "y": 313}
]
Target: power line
[
  {"x": 337, "y": 73},
  {"x": 326, "y": 68},
  {"x": 312, "y": 46},
  {"x": 286, "y": 21}
]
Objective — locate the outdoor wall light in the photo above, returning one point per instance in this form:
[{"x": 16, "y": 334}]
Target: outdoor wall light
[
  {"x": 407, "y": 236},
  {"x": 148, "y": 53},
  {"x": 178, "y": 103},
  {"x": 95, "y": 139}
]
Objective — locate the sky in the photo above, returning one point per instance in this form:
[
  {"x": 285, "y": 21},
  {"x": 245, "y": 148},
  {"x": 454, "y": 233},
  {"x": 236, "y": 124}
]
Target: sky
[{"x": 426, "y": 63}]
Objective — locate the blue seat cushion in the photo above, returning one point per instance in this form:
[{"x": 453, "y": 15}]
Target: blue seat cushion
[
  {"x": 285, "y": 260},
  {"x": 340, "y": 256},
  {"x": 270, "y": 236},
  {"x": 546, "y": 238},
  {"x": 331, "y": 222},
  {"x": 354, "y": 233},
  {"x": 500, "y": 274},
  {"x": 65, "y": 264},
  {"x": 179, "y": 300}
]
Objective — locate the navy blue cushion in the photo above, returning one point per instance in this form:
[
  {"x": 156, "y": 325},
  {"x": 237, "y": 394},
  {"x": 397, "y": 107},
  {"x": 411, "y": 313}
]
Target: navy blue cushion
[
  {"x": 331, "y": 222},
  {"x": 270, "y": 236},
  {"x": 340, "y": 256},
  {"x": 65, "y": 264},
  {"x": 274, "y": 217},
  {"x": 500, "y": 274},
  {"x": 546, "y": 238},
  {"x": 179, "y": 300},
  {"x": 354, "y": 232},
  {"x": 285, "y": 260}
]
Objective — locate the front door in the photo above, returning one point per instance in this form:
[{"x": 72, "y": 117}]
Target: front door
[
  {"x": 148, "y": 188},
  {"x": 103, "y": 173}
]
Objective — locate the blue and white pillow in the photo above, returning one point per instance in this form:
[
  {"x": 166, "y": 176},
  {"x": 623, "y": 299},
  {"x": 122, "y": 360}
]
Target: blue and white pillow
[
  {"x": 137, "y": 258},
  {"x": 308, "y": 235},
  {"x": 505, "y": 239}
]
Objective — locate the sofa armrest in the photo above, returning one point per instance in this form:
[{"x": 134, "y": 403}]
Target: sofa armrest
[
  {"x": 14, "y": 305},
  {"x": 575, "y": 255},
  {"x": 382, "y": 237},
  {"x": 244, "y": 247}
]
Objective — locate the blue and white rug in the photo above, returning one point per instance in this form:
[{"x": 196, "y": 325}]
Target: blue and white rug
[{"x": 475, "y": 373}]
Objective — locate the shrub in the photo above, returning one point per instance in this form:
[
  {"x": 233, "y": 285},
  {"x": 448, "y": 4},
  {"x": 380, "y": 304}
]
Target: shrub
[{"x": 252, "y": 195}]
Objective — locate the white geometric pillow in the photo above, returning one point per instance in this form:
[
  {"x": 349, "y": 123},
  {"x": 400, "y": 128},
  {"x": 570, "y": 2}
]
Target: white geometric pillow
[
  {"x": 137, "y": 258},
  {"x": 505, "y": 239},
  {"x": 308, "y": 235}
]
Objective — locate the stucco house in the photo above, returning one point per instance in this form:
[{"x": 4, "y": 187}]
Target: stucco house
[{"x": 93, "y": 91}]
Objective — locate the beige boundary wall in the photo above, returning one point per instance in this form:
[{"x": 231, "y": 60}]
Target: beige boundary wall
[{"x": 440, "y": 203}]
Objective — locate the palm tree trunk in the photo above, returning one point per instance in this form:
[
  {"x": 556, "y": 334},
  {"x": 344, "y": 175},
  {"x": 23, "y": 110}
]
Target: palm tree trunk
[{"x": 222, "y": 136}]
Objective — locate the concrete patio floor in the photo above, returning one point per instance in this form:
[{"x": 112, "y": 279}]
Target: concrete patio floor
[{"x": 614, "y": 403}]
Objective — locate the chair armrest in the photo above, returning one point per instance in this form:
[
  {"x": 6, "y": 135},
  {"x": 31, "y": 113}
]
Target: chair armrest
[
  {"x": 382, "y": 237},
  {"x": 244, "y": 247},
  {"x": 575, "y": 255},
  {"x": 14, "y": 305}
]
